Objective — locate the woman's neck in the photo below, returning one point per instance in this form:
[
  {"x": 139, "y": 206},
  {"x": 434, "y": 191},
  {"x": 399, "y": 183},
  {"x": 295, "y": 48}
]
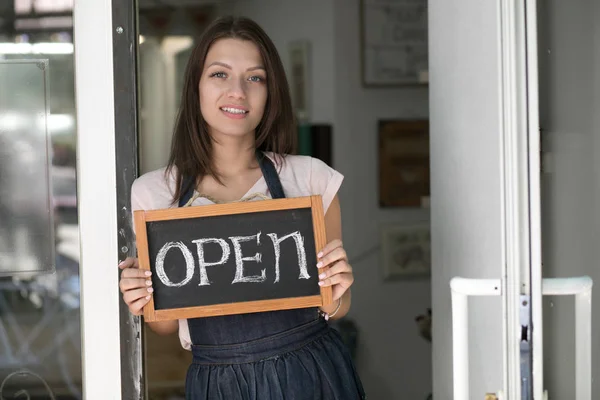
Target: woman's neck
[{"x": 234, "y": 156}]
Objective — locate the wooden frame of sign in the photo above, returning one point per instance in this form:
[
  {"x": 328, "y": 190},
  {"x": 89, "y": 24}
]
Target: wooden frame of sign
[{"x": 142, "y": 218}]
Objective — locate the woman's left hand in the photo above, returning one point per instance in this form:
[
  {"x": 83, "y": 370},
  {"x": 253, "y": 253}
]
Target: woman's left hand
[{"x": 339, "y": 275}]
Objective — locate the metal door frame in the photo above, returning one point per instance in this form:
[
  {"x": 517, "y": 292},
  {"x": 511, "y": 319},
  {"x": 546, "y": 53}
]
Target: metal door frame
[{"x": 105, "y": 36}]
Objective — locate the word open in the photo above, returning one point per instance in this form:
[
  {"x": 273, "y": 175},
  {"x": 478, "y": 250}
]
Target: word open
[{"x": 236, "y": 243}]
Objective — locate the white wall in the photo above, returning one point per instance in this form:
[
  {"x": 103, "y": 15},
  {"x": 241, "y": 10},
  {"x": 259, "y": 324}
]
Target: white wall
[
  {"x": 156, "y": 122},
  {"x": 393, "y": 361},
  {"x": 569, "y": 102},
  {"x": 159, "y": 97}
]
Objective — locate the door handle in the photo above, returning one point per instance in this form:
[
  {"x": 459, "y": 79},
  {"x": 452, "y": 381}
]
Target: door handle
[
  {"x": 461, "y": 289},
  {"x": 580, "y": 287}
]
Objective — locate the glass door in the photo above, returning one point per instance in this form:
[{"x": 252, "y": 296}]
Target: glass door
[
  {"x": 486, "y": 283},
  {"x": 40, "y": 302}
]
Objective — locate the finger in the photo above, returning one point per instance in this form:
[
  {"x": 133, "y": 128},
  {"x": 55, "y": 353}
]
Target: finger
[
  {"x": 340, "y": 279},
  {"x": 134, "y": 283},
  {"x": 334, "y": 244},
  {"x": 338, "y": 268},
  {"x": 134, "y": 295},
  {"x": 337, "y": 254},
  {"x": 126, "y": 263},
  {"x": 129, "y": 262},
  {"x": 137, "y": 307},
  {"x": 135, "y": 273}
]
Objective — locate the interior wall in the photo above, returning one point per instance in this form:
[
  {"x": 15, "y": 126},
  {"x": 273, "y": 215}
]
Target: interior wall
[
  {"x": 156, "y": 122},
  {"x": 393, "y": 360}
]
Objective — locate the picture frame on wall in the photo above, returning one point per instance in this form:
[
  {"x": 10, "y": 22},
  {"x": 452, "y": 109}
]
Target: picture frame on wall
[
  {"x": 404, "y": 172},
  {"x": 406, "y": 251},
  {"x": 394, "y": 42}
]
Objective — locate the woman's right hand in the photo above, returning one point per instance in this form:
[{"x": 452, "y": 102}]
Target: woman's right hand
[{"x": 135, "y": 284}]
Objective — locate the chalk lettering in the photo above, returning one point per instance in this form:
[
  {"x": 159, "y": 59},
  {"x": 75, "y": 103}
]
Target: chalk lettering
[
  {"x": 239, "y": 260},
  {"x": 299, "y": 248},
  {"x": 160, "y": 264},
  {"x": 226, "y": 251}
]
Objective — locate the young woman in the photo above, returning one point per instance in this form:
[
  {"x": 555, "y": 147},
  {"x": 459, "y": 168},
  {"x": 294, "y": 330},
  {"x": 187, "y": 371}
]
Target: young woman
[{"x": 233, "y": 138}]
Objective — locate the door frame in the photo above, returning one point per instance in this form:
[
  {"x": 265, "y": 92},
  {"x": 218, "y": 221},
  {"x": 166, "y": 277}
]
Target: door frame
[
  {"x": 126, "y": 97},
  {"x": 535, "y": 213},
  {"x": 106, "y": 92},
  {"x": 522, "y": 281},
  {"x": 483, "y": 97},
  {"x": 106, "y": 40}
]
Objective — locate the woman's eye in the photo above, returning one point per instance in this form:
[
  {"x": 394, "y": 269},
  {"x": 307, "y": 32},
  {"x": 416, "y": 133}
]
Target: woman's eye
[
  {"x": 218, "y": 75},
  {"x": 256, "y": 78}
]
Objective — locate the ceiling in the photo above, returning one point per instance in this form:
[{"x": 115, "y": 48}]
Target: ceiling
[{"x": 173, "y": 10}]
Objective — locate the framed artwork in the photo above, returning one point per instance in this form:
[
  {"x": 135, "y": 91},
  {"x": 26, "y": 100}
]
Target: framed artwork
[
  {"x": 299, "y": 78},
  {"x": 394, "y": 48},
  {"x": 404, "y": 163},
  {"x": 406, "y": 251}
]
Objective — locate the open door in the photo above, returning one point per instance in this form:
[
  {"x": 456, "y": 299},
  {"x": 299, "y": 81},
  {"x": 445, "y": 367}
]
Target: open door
[
  {"x": 482, "y": 215},
  {"x": 514, "y": 139}
]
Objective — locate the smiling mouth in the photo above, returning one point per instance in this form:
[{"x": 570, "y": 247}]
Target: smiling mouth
[{"x": 232, "y": 110}]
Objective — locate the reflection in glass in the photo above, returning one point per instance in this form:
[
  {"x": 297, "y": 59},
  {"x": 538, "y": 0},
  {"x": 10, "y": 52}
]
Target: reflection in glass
[
  {"x": 26, "y": 222},
  {"x": 40, "y": 341}
]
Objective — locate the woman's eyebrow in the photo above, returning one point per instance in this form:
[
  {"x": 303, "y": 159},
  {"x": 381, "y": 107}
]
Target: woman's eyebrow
[{"x": 224, "y": 65}]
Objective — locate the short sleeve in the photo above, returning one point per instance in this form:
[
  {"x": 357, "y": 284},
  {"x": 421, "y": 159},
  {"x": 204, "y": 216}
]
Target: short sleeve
[
  {"x": 139, "y": 197},
  {"x": 151, "y": 191},
  {"x": 325, "y": 181}
]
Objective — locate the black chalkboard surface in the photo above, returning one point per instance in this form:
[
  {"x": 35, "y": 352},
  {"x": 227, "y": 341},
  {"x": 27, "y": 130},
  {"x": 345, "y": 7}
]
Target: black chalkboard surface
[{"x": 232, "y": 258}]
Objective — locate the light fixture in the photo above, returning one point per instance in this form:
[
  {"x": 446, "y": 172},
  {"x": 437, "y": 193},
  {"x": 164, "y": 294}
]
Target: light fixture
[{"x": 36, "y": 48}]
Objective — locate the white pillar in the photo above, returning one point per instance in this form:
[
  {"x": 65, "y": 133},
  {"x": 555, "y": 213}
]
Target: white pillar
[{"x": 97, "y": 199}]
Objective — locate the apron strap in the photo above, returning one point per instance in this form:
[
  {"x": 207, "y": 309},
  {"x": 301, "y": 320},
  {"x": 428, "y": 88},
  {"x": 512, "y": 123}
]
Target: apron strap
[
  {"x": 271, "y": 176},
  {"x": 269, "y": 173},
  {"x": 187, "y": 184}
]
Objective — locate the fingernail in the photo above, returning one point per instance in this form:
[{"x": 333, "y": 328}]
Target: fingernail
[
  {"x": 148, "y": 297},
  {"x": 320, "y": 255},
  {"x": 322, "y": 276},
  {"x": 319, "y": 264},
  {"x": 121, "y": 263},
  {"x": 150, "y": 290},
  {"x": 149, "y": 283},
  {"x": 321, "y": 283},
  {"x": 148, "y": 273}
]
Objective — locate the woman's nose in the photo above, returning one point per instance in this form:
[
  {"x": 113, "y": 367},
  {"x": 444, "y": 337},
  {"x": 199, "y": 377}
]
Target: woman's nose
[{"x": 237, "y": 90}]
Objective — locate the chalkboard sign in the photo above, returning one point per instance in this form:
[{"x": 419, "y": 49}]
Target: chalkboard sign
[{"x": 232, "y": 258}]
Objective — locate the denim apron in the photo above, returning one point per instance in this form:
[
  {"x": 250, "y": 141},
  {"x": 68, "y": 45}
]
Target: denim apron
[{"x": 274, "y": 355}]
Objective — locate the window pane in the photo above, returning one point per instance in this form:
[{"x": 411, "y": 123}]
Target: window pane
[{"x": 40, "y": 341}]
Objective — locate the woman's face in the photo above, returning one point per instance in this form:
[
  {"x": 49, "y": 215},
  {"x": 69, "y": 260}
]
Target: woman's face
[{"x": 233, "y": 88}]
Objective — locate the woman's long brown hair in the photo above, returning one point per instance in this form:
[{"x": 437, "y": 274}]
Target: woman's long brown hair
[{"x": 191, "y": 147}]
